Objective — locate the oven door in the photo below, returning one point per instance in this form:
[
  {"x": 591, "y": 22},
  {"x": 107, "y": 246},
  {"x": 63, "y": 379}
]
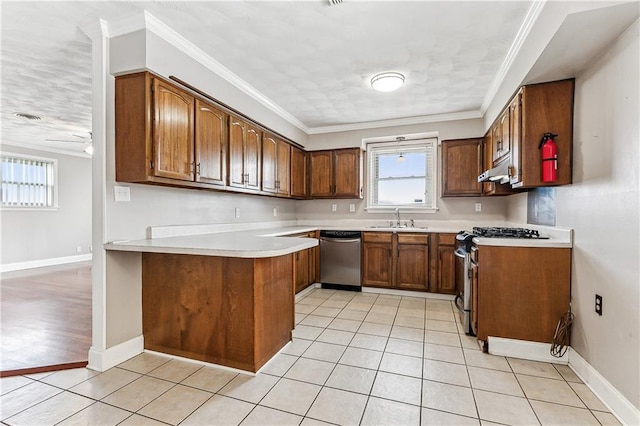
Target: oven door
[
  {"x": 473, "y": 274},
  {"x": 463, "y": 299}
]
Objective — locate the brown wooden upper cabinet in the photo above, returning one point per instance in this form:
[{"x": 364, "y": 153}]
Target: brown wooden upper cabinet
[
  {"x": 461, "y": 165},
  {"x": 165, "y": 135},
  {"x": 276, "y": 158},
  {"x": 513, "y": 140},
  {"x": 544, "y": 107},
  {"x": 492, "y": 188},
  {"x": 245, "y": 148},
  {"x": 502, "y": 137},
  {"x": 336, "y": 173},
  {"x": 211, "y": 144},
  {"x": 299, "y": 176}
]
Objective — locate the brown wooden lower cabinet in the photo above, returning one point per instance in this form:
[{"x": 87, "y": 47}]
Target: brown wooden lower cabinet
[
  {"x": 446, "y": 266},
  {"x": 306, "y": 264},
  {"x": 229, "y": 311},
  {"x": 521, "y": 291},
  {"x": 395, "y": 260}
]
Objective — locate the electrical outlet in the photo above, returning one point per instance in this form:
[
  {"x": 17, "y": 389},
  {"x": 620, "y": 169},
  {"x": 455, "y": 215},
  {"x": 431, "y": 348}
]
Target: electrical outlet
[
  {"x": 79, "y": 249},
  {"x": 352, "y": 208},
  {"x": 334, "y": 207},
  {"x": 275, "y": 211},
  {"x": 478, "y": 207},
  {"x": 598, "y": 304},
  {"x": 237, "y": 212}
]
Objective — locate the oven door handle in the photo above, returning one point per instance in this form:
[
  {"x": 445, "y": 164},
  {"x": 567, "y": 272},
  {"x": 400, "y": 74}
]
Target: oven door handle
[
  {"x": 460, "y": 253},
  {"x": 459, "y": 303}
]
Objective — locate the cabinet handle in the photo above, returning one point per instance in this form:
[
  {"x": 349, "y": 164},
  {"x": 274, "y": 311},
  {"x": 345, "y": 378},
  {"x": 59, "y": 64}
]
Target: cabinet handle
[
  {"x": 499, "y": 146},
  {"x": 246, "y": 178},
  {"x": 198, "y": 169}
]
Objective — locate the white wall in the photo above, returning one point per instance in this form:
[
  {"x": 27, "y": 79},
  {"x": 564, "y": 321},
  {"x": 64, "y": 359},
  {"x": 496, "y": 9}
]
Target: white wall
[
  {"x": 36, "y": 235},
  {"x": 602, "y": 207},
  {"x": 493, "y": 208}
]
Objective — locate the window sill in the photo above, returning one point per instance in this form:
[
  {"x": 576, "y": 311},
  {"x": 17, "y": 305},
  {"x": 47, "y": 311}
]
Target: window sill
[
  {"x": 29, "y": 209},
  {"x": 403, "y": 209}
]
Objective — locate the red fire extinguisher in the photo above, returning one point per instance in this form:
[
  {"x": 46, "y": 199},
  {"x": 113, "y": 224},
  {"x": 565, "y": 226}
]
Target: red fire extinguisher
[{"x": 549, "y": 157}]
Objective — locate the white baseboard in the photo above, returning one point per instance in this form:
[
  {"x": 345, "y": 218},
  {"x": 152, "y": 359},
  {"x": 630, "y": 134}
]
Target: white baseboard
[
  {"x": 533, "y": 351},
  {"x": 407, "y": 293},
  {"x": 18, "y": 266},
  {"x": 104, "y": 360},
  {"x": 619, "y": 406}
]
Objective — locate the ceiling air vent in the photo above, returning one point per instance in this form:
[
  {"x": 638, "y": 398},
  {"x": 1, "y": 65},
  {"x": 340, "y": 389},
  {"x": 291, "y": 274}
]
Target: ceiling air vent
[
  {"x": 27, "y": 116},
  {"x": 335, "y": 2}
]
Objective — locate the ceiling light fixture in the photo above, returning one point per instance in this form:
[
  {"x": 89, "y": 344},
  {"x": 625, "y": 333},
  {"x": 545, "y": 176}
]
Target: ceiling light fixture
[{"x": 387, "y": 81}]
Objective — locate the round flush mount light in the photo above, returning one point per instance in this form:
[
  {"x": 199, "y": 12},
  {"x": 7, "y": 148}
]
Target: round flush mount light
[{"x": 387, "y": 81}]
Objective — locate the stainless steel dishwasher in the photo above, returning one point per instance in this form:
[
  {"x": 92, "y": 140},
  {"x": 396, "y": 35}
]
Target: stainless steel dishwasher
[{"x": 340, "y": 260}]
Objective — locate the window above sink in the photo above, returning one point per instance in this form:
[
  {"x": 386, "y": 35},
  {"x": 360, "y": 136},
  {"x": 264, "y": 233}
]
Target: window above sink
[{"x": 402, "y": 174}]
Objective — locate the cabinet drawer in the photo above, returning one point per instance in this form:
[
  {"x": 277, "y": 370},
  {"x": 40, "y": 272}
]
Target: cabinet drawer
[
  {"x": 413, "y": 238},
  {"x": 447, "y": 239},
  {"x": 376, "y": 237}
]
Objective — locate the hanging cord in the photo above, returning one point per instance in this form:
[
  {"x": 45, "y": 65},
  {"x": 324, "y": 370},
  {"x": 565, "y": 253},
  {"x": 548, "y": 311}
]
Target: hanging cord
[{"x": 562, "y": 336}]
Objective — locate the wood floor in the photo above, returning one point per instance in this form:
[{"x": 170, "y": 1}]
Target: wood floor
[{"x": 45, "y": 318}]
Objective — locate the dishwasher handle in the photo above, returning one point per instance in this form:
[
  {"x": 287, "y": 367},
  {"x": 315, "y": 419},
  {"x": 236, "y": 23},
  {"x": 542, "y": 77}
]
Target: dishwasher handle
[{"x": 340, "y": 240}]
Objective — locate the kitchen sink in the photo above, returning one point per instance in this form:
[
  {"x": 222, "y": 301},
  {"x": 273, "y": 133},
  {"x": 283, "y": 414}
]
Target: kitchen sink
[{"x": 397, "y": 228}]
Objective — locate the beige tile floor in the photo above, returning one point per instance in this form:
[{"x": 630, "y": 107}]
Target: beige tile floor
[{"x": 356, "y": 359}]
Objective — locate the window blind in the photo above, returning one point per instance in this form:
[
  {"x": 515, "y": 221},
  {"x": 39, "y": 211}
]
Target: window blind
[{"x": 26, "y": 182}]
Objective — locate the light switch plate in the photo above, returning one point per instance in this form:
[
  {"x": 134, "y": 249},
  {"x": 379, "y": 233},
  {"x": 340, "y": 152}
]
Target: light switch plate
[
  {"x": 237, "y": 212},
  {"x": 334, "y": 207},
  {"x": 275, "y": 211},
  {"x": 352, "y": 208},
  {"x": 122, "y": 193},
  {"x": 478, "y": 207}
]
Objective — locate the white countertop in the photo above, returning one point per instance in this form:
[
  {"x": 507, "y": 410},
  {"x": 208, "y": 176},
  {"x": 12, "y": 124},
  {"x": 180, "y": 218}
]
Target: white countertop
[
  {"x": 270, "y": 239},
  {"x": 247, "y": 244}
]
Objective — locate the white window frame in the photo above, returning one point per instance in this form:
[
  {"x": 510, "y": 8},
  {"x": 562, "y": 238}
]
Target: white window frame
[
  {"x": 52, "y": 182},
  {"x": 377, "y": 144}
]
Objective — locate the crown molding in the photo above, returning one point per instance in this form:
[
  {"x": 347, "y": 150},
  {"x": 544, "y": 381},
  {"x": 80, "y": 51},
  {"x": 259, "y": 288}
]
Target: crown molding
[
  {"x": 466, "y": 115},
  {"x": 527, "y": 24}
]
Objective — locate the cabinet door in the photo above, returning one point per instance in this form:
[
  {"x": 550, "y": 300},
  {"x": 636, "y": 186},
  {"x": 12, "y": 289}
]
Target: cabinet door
[
  {"x": 283, "y": 167},
  {"x": 252, "y": 157},
  {"x": 413, "y": 267},
  {"x": 322, "y": 174},
  {"x": 173, "y": 132},
  {"x": 446, "y": 270},
  {"x": 516, "y": 130},
  {"x": 501, "y": 145},
  {"x": 461, "y": 165},
  {"x": 377, "y": 265},
  {"x": 302, "y": 270},
  {"x": 298, "y": 173},
  {"x": 269, "y": 163},
  {"x": 237, "y": 136},
  {"x": 347, "y": 173},
  {"x": 211, "y": 144}
]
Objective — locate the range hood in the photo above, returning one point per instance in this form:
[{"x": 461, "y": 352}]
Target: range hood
[{"x": 499, "y": 173}]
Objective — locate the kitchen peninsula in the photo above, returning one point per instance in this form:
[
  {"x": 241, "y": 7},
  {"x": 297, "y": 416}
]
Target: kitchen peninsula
[{"x": 223, "y": 298}]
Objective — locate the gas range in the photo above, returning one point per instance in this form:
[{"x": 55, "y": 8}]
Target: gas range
[{"x": 501, "y": 232}]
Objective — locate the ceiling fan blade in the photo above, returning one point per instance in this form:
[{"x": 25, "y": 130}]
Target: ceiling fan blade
[{"x": 66, "y": 140}]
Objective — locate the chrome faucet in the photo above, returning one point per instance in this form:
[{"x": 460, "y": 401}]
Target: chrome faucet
[{"x": 397, "y": 217}]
